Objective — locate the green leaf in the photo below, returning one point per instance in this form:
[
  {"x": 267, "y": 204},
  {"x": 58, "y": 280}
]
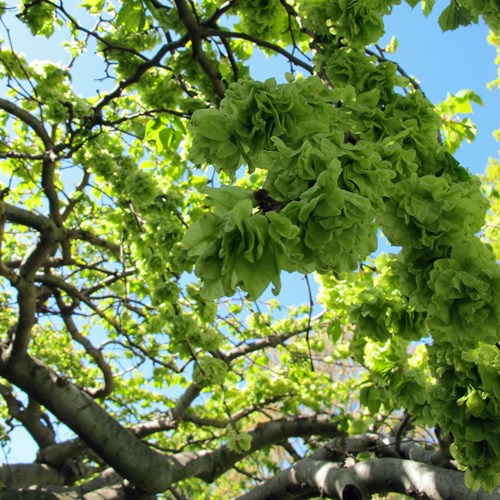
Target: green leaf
[
  {"x": 239, "y": 441},
  {"x": 210, "y": 123},
  {"x": 132, "y": 16},
  {"x": 455, "y": 15},
  {"x": 209, "y": 371},
  {"x": 93, "y": 6},
  {"x": 476, "y": 405},
  {"x": 427, "y": 6}
]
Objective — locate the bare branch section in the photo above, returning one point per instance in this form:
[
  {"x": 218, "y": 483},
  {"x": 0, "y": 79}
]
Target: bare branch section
[
  {"x": 260, "y": 43},
  {"x": 34, "y": 420},
  {"x": 311, "y": 478},
  {"x": 30, "y": 120},
  {"x": 193, "y": 28},
  {"x": 217, "y": 462},
  {"x": 96, "y": 354},
  {"x": 22, "y": 475}
]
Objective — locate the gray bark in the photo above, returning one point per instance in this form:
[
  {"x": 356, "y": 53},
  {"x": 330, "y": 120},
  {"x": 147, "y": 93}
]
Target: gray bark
[
  {"x": 310, "y": 478},
  {"x": 19, "y": 475}
]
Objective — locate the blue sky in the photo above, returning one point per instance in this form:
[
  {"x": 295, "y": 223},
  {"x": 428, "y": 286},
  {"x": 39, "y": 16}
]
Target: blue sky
[{"x": 442, "y": 62}]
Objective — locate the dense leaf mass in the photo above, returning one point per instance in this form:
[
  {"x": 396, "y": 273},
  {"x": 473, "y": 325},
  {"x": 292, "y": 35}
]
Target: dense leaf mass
[{"x": 143, "y": 221}]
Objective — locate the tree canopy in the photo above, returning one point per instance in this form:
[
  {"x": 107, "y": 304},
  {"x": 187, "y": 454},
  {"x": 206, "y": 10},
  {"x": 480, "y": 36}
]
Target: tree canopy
[{"x": 143, "y": 223}]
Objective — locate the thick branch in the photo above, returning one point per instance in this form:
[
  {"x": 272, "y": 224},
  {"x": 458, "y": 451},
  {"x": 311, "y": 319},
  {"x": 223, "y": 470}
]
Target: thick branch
[
  {"x": 22, "y": 475},
  {"x": 26, "y": 291},
  {"x": 26, "y": 218},
  {"x": 311, "y": 478},
  {"x": 49, "y": 189},
  {"x": 212, "y": 464},
  {"x": 150, "y": 470}
]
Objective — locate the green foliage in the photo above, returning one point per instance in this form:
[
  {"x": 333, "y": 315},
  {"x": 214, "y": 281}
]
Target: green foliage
[
  {"x": 359, "y": 22},
  {"x": 209, "y": 371},
  {"x": 455, "y": 15},
  {"x": 39, "y": 17},
  {"x": 455, "y": 129},
  {"x": 238, "y": 441},
  {"x": 463, "y": 13},
  {"x": 472, "y": 409}
]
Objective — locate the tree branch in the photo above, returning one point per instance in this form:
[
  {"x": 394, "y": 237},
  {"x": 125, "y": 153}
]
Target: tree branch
[
  {"x": 311, "y": 478},
  {"x": 26, "y": 218},
  {"x": 22, "y": 475},
  {"x": 261, "y": 43},
  {"x": 89, "y": 237},
  {"x": 31, "y": 417},
  {"x": 94, "y": 353},
  {"x": 195, "y": 34},
  {"x": 150, "y": 470},
  {"x": 172, "y": 418},
  {"x": 262, "y": 343},
  {"x": 34, "y": 123},
  {"x": 212, "y": 464}
]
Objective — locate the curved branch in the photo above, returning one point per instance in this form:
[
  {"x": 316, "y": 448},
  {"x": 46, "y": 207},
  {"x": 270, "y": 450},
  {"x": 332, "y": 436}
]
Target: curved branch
[
  {"x": 209, "y": 465},
  {"x": 93, "y": 352},
  {"x": 150, "y": 470},
  {"x": 34, "y": 123},
  {"x": 311, "y": 478},
  {"x": 50, "y": 235},
  {"x": 261, "y": 43},
  {"x": 26, "y": 218},
  {"x": 33, "y": 419},
  {"x": 55, "y": 281}
]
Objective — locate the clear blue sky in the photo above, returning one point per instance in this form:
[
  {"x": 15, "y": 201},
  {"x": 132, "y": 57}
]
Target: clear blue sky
[{"x": 442, "y": 62}]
